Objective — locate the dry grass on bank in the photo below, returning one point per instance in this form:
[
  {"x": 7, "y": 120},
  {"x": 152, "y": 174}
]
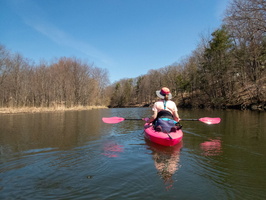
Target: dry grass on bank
[{"x": 44, "y": 109}]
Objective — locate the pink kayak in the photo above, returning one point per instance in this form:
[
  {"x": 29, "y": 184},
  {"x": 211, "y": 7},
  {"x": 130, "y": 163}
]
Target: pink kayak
[{"x": 166, "y": 139}]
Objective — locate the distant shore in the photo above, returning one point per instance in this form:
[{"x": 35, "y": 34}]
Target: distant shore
[{"x": 45, "y": 109}]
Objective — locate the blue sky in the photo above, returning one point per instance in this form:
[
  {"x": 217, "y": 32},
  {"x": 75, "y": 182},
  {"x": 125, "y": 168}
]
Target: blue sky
[{"x": 126, "y": 37}]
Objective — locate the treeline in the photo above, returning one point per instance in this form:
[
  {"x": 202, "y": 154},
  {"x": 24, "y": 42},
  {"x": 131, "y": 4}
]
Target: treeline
[
  {"x": 66, "y": 82},
  {"x": 227, "y": 69}
]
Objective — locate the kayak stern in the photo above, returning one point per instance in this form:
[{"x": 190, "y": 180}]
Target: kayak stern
[{"x": 165, "y": 139}]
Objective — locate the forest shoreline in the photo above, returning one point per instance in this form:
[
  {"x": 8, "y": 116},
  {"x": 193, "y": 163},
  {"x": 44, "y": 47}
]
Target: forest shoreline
[
  {"x": 21, "y": 110},
  {"x": 10, "y": 110},
  {"x": 252, "y": 107}
]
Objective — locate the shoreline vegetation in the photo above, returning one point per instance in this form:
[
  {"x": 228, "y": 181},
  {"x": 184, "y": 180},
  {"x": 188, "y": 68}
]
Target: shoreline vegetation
[
  {"x": 46, "y": 109},
  {"x": 21, "y": 110}
]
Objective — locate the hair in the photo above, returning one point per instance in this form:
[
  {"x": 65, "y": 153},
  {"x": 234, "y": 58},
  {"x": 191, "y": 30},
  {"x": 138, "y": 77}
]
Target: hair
[{"x": 166, "y": 97}]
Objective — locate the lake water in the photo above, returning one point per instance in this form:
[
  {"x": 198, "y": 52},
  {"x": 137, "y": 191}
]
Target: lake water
[{"x": 74, "y": 155}]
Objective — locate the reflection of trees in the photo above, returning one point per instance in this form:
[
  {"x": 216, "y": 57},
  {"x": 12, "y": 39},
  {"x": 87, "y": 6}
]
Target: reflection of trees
[
  {"x": 47, "y": 131},
  {"x": 166, "y": 161}
]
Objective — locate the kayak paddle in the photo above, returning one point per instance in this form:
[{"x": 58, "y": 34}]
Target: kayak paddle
[
  {"x": 206, "y": 120},
  {"x": 115, "y": 120}
]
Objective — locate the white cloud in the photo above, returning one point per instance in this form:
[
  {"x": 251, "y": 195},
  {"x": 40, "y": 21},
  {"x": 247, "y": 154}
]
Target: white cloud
[{"x": 35, "y": 17}]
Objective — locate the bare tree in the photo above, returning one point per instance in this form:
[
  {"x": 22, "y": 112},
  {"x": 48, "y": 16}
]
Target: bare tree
[{"x": 246, "y": 22}]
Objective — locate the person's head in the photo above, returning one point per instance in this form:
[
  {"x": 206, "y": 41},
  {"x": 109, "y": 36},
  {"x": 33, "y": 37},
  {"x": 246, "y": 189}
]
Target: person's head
[{"x": 164, "y": 93}]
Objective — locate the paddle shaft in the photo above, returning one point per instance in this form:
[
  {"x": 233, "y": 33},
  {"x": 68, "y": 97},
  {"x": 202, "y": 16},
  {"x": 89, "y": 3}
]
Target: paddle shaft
[
  {"x": 133, "y": 119},
  {"x": 206, "y": 120},
  {"x": 180, "y": 119},
  {"x": 189, "y": 119}
]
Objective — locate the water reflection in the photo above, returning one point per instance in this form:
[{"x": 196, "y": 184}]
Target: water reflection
[
  {"x": 112, "y": 149},
  {"x": 74, "y": 155},
  {"x": 62, "y": 130},
  {"x": 211, "y": 147},
  {"x": 166, "y": 161}
]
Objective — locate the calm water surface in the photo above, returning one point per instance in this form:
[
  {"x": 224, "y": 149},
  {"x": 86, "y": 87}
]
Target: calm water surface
[{"x": 74, "y": 155}]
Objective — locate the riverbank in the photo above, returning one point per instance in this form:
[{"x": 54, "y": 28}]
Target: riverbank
[{"x": 45, "y": 109}]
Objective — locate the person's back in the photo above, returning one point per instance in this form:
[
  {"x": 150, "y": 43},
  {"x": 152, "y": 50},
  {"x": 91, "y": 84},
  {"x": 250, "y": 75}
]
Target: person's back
[
  {"x": 165, "y": 114},
  {"x": 165, "y": 105}
]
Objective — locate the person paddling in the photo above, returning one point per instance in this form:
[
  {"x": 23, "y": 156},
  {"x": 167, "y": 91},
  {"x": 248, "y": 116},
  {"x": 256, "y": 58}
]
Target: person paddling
[{"x": 165, "y": 114}]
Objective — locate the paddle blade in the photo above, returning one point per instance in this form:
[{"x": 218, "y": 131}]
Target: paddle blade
[
  {"x": 112, "y": 120},
  {"x": 208, "y": 120}
]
